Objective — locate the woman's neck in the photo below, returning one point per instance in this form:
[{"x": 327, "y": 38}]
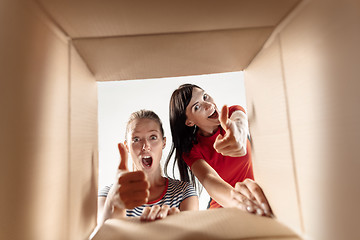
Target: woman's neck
[
  {"x": 208, "y": 132},
  {"x": 155, "y": 180},
  {"x": 157, "y": 186}
]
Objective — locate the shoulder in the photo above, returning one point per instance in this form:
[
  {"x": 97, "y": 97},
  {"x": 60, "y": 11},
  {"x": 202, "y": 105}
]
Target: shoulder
[
  {"x": 194, "y": 154},
  {"x": 181, "y": 189},
  {"x": 234, "y": 108},
  {"x": 177, "y": 184},
  {"x": 237, "y": 112}
]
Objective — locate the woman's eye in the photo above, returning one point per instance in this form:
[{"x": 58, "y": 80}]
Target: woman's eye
[
  {"x": 153, "y": 137},
  {"x": 136, "y": 140},
  {"x": 196, "y": 107},
  {"x": 205, "y": 96}
]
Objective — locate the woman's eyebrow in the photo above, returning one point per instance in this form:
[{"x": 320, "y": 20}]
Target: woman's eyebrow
[
  {"x": 155, "y": 130},
  {"x": 152, "y": 130},
  {"x": 194, "y": 104}
]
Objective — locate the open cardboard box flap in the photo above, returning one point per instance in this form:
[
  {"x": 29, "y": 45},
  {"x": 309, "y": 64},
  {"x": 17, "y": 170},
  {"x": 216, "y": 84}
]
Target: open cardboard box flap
[{"x": 210, "y": 224}]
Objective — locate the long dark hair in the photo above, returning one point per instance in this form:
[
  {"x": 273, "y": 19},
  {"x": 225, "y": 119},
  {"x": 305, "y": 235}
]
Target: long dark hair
[{"x": 183, "y": 136}]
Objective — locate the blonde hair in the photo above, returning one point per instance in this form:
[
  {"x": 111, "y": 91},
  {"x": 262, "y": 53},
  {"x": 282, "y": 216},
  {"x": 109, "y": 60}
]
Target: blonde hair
[{"x": 144, "y": 114}]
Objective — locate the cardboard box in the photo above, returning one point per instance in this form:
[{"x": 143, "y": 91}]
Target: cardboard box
[{"x": 300, "y": 60}]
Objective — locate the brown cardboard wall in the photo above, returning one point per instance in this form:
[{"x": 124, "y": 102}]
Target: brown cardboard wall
[
  {"x": 155, "y": 56},
  {"x": 48, "y": 123},
  {"x": 269, "y": 127},
  {"x": 129, "y": 39},
  {"x": 34, "y": 126},
  {"x": 83, "y": 149},
  {"x": 318, "y": 51},
  {"x": 140, "y": 18}
]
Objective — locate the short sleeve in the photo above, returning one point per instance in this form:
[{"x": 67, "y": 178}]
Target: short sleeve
[
  {"x": 103, "y": 192},
  {"x": 192, "y": 156},
  {"x": 189, "y": 191}
]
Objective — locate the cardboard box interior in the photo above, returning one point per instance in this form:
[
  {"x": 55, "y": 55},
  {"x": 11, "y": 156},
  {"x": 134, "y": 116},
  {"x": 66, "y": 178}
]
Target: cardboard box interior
[{"x": 302, "y": 81}]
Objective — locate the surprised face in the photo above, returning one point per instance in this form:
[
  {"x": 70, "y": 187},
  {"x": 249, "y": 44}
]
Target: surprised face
[{"x": 145, "y": 144}]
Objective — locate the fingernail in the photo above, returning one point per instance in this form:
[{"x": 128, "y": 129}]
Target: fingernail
[
  {"x": 250, "y": 209},
  {"x": 259, "y": 211},
  {"x": 265, "y": 207}
]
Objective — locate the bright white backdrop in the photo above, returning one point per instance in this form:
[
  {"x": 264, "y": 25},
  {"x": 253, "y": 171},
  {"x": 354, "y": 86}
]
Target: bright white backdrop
[{"x": 117, "y": 100}]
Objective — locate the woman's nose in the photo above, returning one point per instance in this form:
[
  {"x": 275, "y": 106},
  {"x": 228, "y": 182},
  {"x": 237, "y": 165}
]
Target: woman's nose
[
  {"x": 146, "y": 146},
  {"x": 207, "y": 105}
]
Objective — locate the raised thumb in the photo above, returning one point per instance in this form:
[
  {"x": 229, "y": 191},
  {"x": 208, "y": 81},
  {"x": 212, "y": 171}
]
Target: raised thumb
[
  {"x": 223, "y": 118},
  {"x": 123, "y": 165},
  {"x": 218, "y": 139}
]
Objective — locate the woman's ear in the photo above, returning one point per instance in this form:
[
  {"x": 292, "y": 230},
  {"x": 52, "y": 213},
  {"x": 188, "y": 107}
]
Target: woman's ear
[
  {"x": 189, "y": 123},
  {"x": 126, "y": 146},
  {"x": 164, "y": 142}
]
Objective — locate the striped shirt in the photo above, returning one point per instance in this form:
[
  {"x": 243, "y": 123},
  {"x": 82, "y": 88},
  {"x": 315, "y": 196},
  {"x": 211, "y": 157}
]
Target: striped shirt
[{"x": 175, "y": 192}]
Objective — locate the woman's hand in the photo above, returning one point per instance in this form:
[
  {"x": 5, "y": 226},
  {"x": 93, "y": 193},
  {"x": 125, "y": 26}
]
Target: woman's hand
[
  {"x": 248, "y": 196},
  {"x": 131, "y": 188},
  {"x": 158, "y": 212},
  {"x": 233, "y": 143}
]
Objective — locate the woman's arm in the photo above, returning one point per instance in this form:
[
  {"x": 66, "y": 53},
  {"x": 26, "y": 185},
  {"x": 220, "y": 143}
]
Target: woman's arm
[
  {"x": 104, "y": 212},
  {"x": 217, "y": 188},
  {"x": 107, "y": 209},
  {"x": 190, "y": 203},
  {"x": 246, "y": 195}
]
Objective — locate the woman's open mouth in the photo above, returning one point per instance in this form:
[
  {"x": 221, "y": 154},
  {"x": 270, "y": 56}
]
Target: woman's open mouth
[
  {"x": 147, "y": 161},
  {"x": 214, "y": 115}
]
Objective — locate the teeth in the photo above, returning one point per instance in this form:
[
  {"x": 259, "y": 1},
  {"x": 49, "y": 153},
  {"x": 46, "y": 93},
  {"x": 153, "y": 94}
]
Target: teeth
[{"x": 147, "y": 161}]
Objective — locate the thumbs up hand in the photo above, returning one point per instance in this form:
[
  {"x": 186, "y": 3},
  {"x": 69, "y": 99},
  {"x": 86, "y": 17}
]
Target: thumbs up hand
[
  {"x": 131, "y": 188},
  {"x": 233, "y": 143}
]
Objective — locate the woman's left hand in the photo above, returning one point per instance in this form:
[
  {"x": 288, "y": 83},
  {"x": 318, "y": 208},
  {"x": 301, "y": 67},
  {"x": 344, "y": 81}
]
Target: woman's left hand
[{"x": 158, "y": 212}]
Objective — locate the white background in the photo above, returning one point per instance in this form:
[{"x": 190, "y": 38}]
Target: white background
[{"x": 117, "y": 100}]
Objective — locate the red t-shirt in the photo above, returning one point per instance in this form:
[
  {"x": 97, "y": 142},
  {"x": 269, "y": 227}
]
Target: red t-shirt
[{"x": 230, "y": 169}]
